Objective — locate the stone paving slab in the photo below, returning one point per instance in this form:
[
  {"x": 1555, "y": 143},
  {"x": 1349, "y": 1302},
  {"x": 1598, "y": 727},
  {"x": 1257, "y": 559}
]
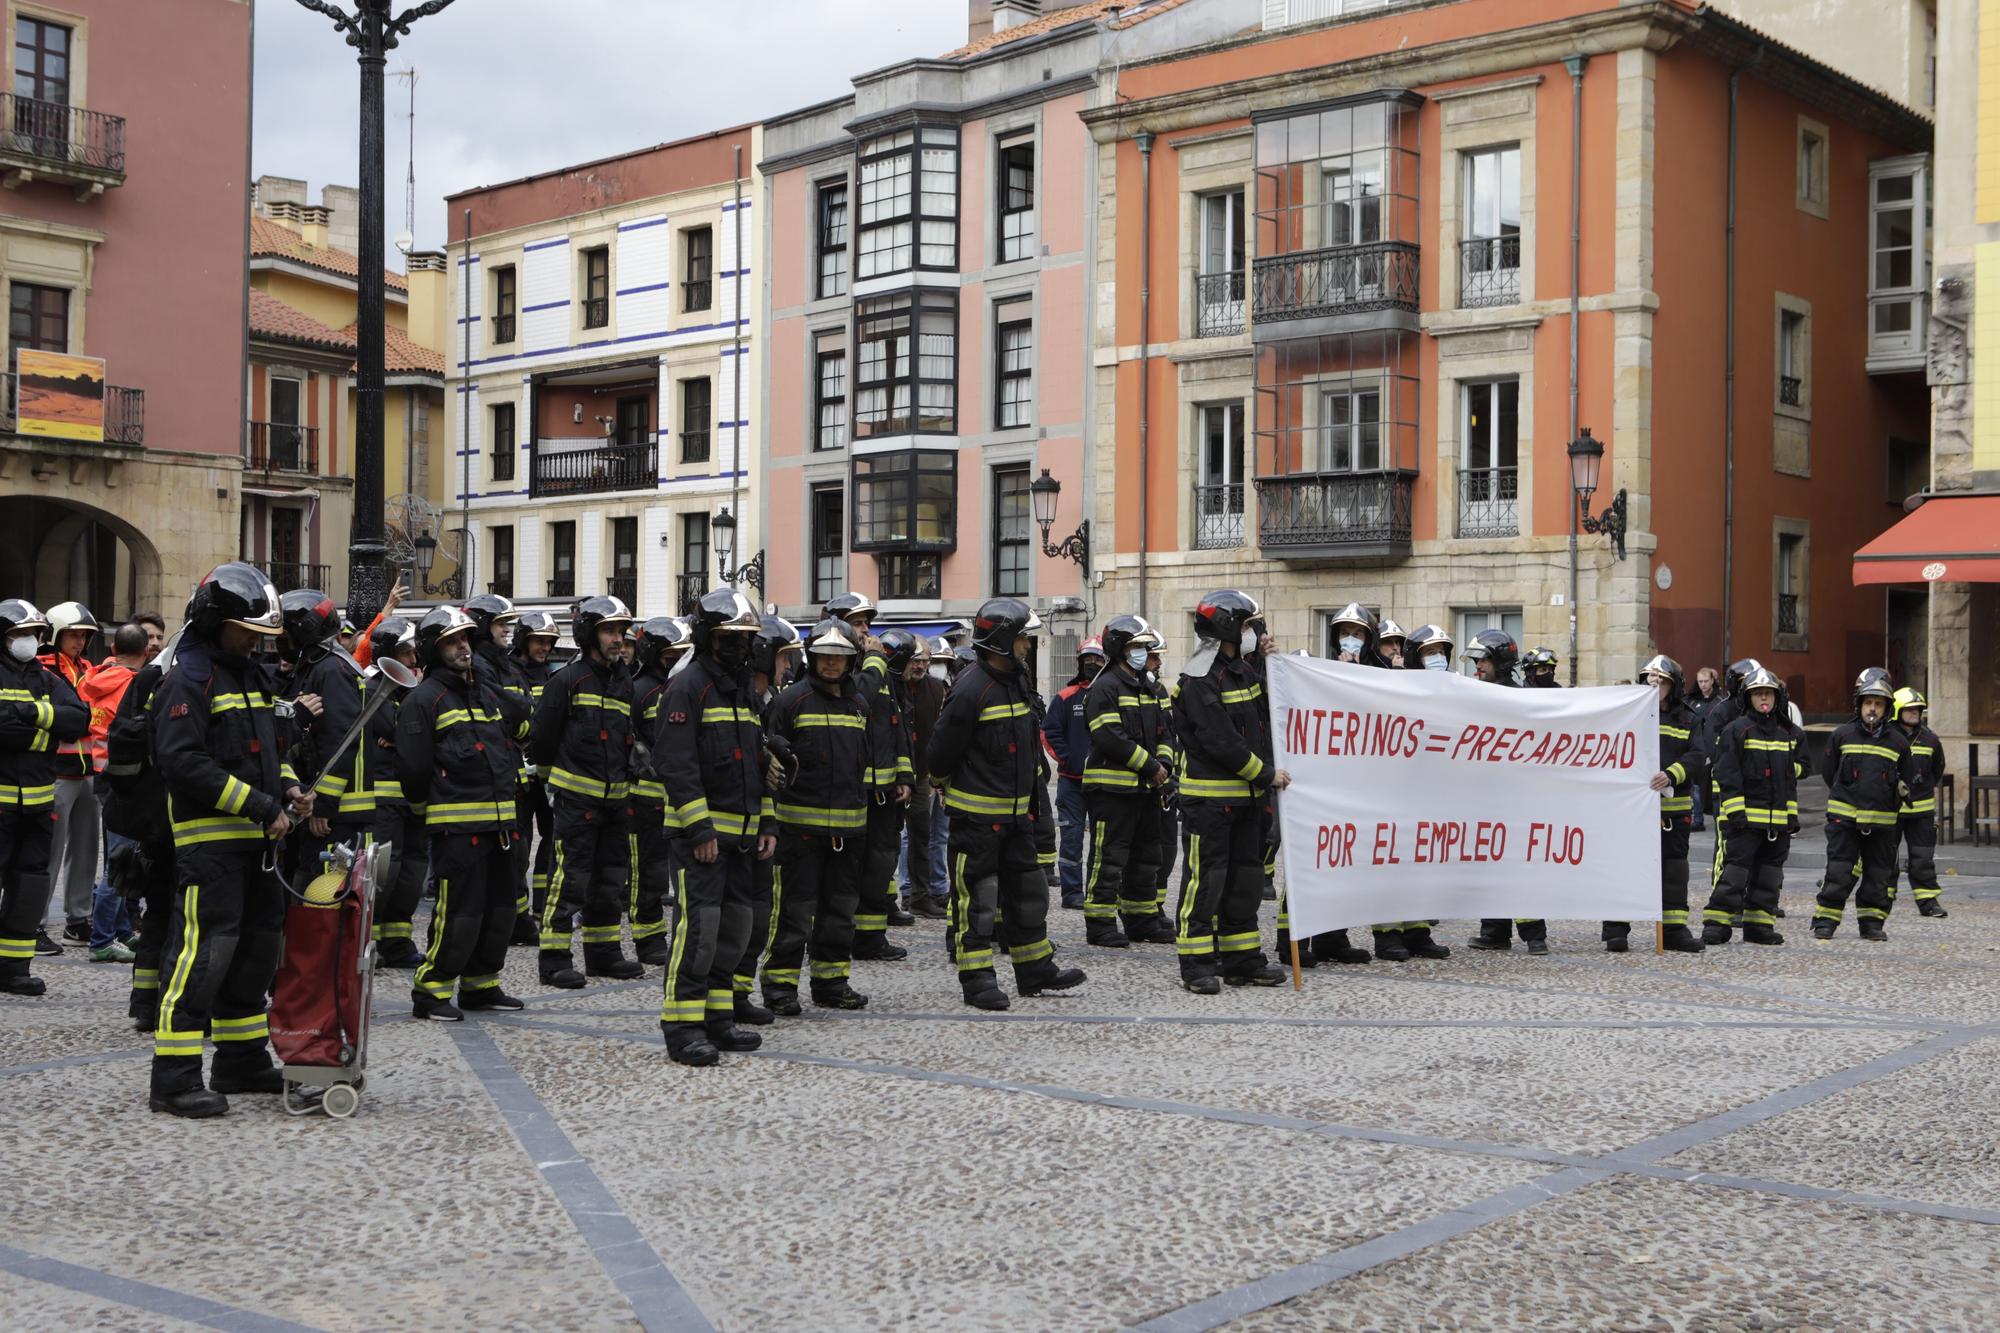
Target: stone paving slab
[{"x": 53, "y": 1307}]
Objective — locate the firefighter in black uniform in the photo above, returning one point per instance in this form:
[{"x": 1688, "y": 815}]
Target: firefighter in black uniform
[
  {"x": 398, "y": 823},
  {"x": 1916, "y": 822},
  {"x": 1683, "y": 768},
  {"x": 344, "y": 793},
  {"x": 1538, "y": 670},
  {"x": 38, "y": 712},
  {"x": 889, "y": 778},
  {"x": 1169, "y": 820},
  {"x": 496, "y": 634},
  {"x": 1869, "y": 772},
  {"x": 657, "y": 645},
  {"x": 215, "y": 739},
  {"x": 1494, "y": 656},
  {"x": 535, "y": 636},
  {"x": 986, "y": 754},
  {"x": 1222, "y": 719},
  {"x": 1757, "y": 783},
  {"x": 774, "y": 661},
  {"x": 135, "y": 808},
  {"x": 455, "y": 755},
  {"x": 820, "y": 723},
  {"x": 1125, "y": 782},
  {"x": 581, "y": 743},
  {"x": 1729, "y": 706}
]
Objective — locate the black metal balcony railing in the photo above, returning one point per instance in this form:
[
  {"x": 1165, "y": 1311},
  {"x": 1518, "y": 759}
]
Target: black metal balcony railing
[
  {"x": 1489, "y": 271},
  {"x": 1218, "y": 517},
  {"x": 289, "y": 577},
  {"x": 503, "y": 586},
  {"x": 697, "y": 294},
  {"x": 1788, "y": 613},
  {"x": 563, "y": 585},
  {"x": 688, "y": 591},
  {"x": 1218, "y": 304},
  {"x": 1788, "y": 389},
  {"x": 596, "y": 312},
  {"x": 277, "y": 446},
  {"x": 124, "y": 411},
  {"x": 1342, "y": 280},
  {"x": 55, "y": 133},
  {"x": 694, "y": 446},
  {"x": 615, "y": 467},
  {"x": 1489, "y": 502},
  {"x": 625, "y": 587},
  {"x": 503, "y": 328},
  {"x": 1330, "y": 514}
]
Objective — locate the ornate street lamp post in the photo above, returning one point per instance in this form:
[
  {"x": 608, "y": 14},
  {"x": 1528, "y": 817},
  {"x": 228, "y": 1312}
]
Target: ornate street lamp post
[{"x": 751, "y": 571}]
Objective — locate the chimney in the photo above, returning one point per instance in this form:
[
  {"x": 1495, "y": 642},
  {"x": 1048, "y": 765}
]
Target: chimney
[
  {"x": 343, "y": 223},
  {"x": 1013, "y": 13},
  {"x": 426, "y": 277},
  {"x": 978, "y": 20},
  {"x": 309, "y": 221}
]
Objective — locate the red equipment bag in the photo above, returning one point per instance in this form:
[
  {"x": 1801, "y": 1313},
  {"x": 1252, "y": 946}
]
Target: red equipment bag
[{"x": 319, "y": 1002}]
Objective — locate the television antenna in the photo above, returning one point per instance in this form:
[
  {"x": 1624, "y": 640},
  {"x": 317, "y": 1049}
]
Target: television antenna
[{"x": 406, "y": 239}]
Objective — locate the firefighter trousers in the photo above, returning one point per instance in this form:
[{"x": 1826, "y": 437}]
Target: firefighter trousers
[
  {"x": 402, "y": 830},
  {"x": 1873, "y": 847},
  {"x": 1919, "y": 838},
  {"x": 223, "y": 932},
  {"x": 1673, "y": 878},
  {"x": 1222, "y": 887},
  {"x": 474, "y": 915},
  {"x": 884, "y": 838},
  {"x": 1124, "y": 856},
  {"x": 711, "y": 922},
  {"x": 533, "y": 857},
  {"x": 27, "y": 833},
  {"x": 1753, "y": 871},
  {"x": 592, "y": 861},
  {"x": 651, "y": 877},
  {"x": 157, "y": 896},
  {"x": 999, "y": 896},
  {"x": 763, "y": 920},
  {"x": 814, "y": 890}
]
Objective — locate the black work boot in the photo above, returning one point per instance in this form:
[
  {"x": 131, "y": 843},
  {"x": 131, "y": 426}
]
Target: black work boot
[
  {"x": 652, "y": 951},
  {"x": 1203, "y": 983},
  {"x": 527, "y": 932},
  {"x": 1103, "y": 931},
  {"x": 1389, "y": 946},
  {"x": 875, "y": 948},
  {"x": 1044, "y": 975},
  {"x": 783, "y": 1002},
  {"x": 1307, "y": 958},
  {"x": 688, "y": 1044},
  {"x": 837, "y": 995},
  {"x": 14, "y": 979},
  {"x": 926, "y": 906},
  {"x": 1494, "y": 943},
  {"x": 1714, "y": 932},
  {"x": 196, "y": 1103},
  {"x": 1823, "y": 928},
  {"x": 753, "y": 1013},
  {"x": 724, "y": 1035},
  {"x": 1419, "y": 942},
  {"x": 562, "y": 978},
  {"x": 247, "y": 1081},
  {"x": 985, "y": 993},
  {"x": 1334, "y": 948},
  {"x": 1149, "y": 930},
  {"x": 1930, "y": 907},
  {"x": 425, "y": 1005},
  {"x": 488, "y": 997},
  {"x": 899, "y": 917},
  {"x": 1264, "y": 974},
  {"x": 144, "y": 1010},
  {"x": 609, "y": 962},
  {"x": 1871, "y": 929},
  {"x": 1617, "y": 943},
  {"x": 1763, "y": 935},
  {"x": 1681, "y": 940},
  {"x": 397, "y": 953}
]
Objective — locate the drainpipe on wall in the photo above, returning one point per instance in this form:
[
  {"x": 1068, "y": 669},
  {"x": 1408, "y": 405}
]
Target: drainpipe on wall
[
  {"x": 466, "y": 573},
  {"x": 736, "y": 380},
  {"x": 1729, "y": 387},
  {"x": 1145, "y": 140},
  {"x": 1575, "y": 66}
]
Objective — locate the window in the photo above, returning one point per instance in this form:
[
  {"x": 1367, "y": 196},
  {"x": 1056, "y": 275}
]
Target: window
[
  {"x": 897, "y": 393},
  {"x": 503, "y": 445},
  {"x": 1793, "y": 358},
  {"x": 1471, "y": 622},
  {"x": 1898, "y": 275},
  {"x": 1013, "y": 366},
  {"x": 1017, "y": 199},
  {"x": 1791, "y": 573},
  {"x": 503, "y": 561},
  {"x": 285, "y": 439},
  {"x": 596, "y": 287},
  {"x": 1489, "y": 255},
  {"x": 909, "y": 576},
  {"x": 909, "y": 202},
  {"x": 504, "y": 304},
  {"x": 1219, "y": 282},
  {"x": 38, "y": 317},
  {"x": 1353, "y": 200},
  {"x": 695, "y": 420},
  {"x": 698, "y": 280},
  {"x": 1329, "y": 632},
  {"x": 1812, "y": 186},
  {"x": 833, "y": 239},
  {"x": 1218, "y": 496},
  {"x": 1012, "y": 547},
  {"x": 562, "y": 559},
  {"x": 1489, "y": 497},
  {"x": 829, "y": 392},
  {"x": 41, "y": 65},
  {"x": 906, "y": 499},
  {"x": 1350, "y": 433},
  {"x": 829, "y": 551},
  {"x": 694, "y": 546},
  {"x": 635, "y": 426},
  {"x": 624, "y": 581}
]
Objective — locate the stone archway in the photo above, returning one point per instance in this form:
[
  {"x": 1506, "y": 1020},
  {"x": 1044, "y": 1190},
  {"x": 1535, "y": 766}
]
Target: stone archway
[{"x": 64, "y": 550}]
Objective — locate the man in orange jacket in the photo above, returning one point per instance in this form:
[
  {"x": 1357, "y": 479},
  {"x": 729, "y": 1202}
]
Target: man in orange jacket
[{"x": 102, "y": 689}]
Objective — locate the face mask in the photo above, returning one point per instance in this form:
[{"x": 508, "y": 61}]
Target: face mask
[
  {"x": 21, "y": 647},
  {"x": 1350, "y": 643},
  {"x": 1437, "y": 662},
  {"x": 1248, "y": 643},
  {"x": 1136, "y": 658},
  {"x": 939, "y": 671},
  {"x": 732, "y": 650}
]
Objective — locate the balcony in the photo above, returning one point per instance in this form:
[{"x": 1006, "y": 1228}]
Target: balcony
[
  {"x": 1218, "y": 304},
  {"x": 124, "y": 412},
  {"x": 52, "y": 141},
  {"x": 596, "y": 312},
  {"x": 1218, "y": 517},
  {"x": 563, "y": 585},
  {"x": 1336, "y": 515},
  {"x": 289, "y": 577},
  {"x": 625, "y": 587},
  {"x": 1338, "y": 280},
  {"x": 278, "y": 446},
  {"x": 697, "y": 294},
  {"x": 1489, "y": 272},
  {"x": 1788, "y": 389},
  {"x": 688, "y": 592},
  {"x": 1489, "y": 502},
  {"x": 503, "y": 329},
  {"x": 614, "y": 467},
  {"x": 1788, "y": 613},
  {"x": 694, "y": 446}
]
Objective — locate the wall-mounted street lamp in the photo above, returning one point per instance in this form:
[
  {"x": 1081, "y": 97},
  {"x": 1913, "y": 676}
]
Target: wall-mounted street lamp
[
  {"x": 723, "y": 528},
  {"x": 1586, "y": 458},
  {"x": 1043, "y": 492}
]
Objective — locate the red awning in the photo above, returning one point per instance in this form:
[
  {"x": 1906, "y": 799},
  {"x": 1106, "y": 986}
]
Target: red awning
[{"x": 1949, "y": 539}]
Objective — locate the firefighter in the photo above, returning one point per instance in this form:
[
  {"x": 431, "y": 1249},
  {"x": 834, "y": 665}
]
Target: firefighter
[
  {"x": 1683, "y": 768},
  {"x": 1869, "y": 773},
  {"x": 852, "y": 607},
  {"x": 1168, "y": 818},
  {"x": 344, "y": 796},
  {"x": 1757, "y": 783},
  {"x": 1427, "y": 648},
  {"x": 535, "y": 636},
  {"x": 581, "y": 742},
  {"x": 39, "y": 711},
  {"x": 455, "y": 756},
  {"x": 774, "y": 664},
  {"x": 78, "y": 828},
  {"x": 821, "y": 722},
  {"x": 1494, "y": 656},
  {"x": 399, "y": 823},
  {"x": 658, "y": 645},
  {"x": 1356, "y": 640},
  {"x": 496, "y": 634},
  {"x": 1067, "y": 736},
  {"x": 135, "y": 808},
  {"x": 1538, "y": 670},
  {"x": 1391, "y": 640},
  {"x": 1222, "y": 719},
  {"x": 1726, "y": 709},
  {"x": 1916, "y": 822},
  {"x": 1126, "y": 782},
  {"x": 216, "y": 741},
  {"x": 890, "y": 778}
]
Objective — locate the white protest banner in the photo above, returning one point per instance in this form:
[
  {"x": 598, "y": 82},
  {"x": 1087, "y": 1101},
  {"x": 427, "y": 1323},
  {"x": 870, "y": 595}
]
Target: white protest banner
[{"x": 1420, "y": 795}]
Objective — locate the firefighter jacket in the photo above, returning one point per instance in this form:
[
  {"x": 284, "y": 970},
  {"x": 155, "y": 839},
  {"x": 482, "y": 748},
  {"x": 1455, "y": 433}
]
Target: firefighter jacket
[
  {"x": 1927, "y": 758},
  {"x": 216, "y": 741},
  {"x": 135, "y": 804},
  {"x": 383, "y": 771},
  {"x": 828, "y": 736},
  {"x": 649, "y": 689},
  {"x": 1866, "y": 773},
  {"x": 345, "y": 791},
  {"x": 532, "y": 677},
  {"x": 889, "y": 739},
  {"x": 1681, "y": 757},
  {"x": 455, "y": 750},
  {"x": 1225, "y": 737},
  {"x": 1755, "y": 773},
  {"x": 985, "y": 751},
  {"x": 1067, "y": 731},
  {"x": 581, "y": 740},
  {"x": 516, "y": 676},
  {"x": 1128, "y": 732},
  {"x": 72, "y": 752},
  {"x": 39, "y": 712},
  {"x": 708, "y": 755}
]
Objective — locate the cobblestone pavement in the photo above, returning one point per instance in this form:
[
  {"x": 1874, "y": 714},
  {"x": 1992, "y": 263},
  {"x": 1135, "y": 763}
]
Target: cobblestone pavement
[{"x": 1806, "y": 1137}]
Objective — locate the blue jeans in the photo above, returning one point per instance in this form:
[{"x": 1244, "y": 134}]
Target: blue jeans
[
  {"x": 109, "y": 916},
  {"x": 1698, "y": 791},
  {"x": 940, "y": 842},
  {"x": 1072, "y": 816}
]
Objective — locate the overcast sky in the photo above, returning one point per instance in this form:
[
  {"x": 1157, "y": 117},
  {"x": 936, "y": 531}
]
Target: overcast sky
[{"x": 510, "y": 87}]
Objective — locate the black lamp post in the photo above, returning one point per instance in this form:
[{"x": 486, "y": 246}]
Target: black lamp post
[
  {"x": 723, "y": 528},
  {"x": 1043, "y": 493},
  {"x": 372, "y": 33},
  {"x": 427, "y": 550}
]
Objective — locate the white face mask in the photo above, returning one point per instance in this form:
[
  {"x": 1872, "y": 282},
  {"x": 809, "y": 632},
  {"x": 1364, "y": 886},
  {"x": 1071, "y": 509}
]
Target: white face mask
[
  {"x": 1136, "y": 658},
  {"x": 939, "y": 671},
  {"x": 21, "y": 647},
  {"x": 1437, "y": 662},
  {"x": 1350, "y": 643},
  {"x": 1248, "y": 643}
]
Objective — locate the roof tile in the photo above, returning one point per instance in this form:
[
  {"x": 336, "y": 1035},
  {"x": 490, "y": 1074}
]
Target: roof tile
[
  {"x": 1062, "y": 17},
  {"x": 273, "y": 240}
]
